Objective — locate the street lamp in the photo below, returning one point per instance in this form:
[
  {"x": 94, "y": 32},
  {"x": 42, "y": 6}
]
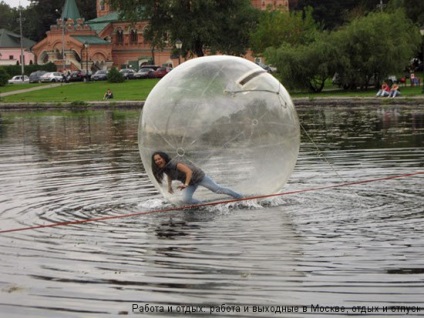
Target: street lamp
[
  {"x": 153, "y": 55},
  {"x": 86, "y": 45},
  {"x": 179, "y": 45},
  {"x": 22, "y": 47},
  {"x": 422, "y": 57},
  {"x": 63, "y": 44}
]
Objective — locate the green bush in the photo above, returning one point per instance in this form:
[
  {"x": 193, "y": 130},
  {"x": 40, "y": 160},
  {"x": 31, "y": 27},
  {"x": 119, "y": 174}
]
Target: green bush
[
  {"x": 13, "y": 70},
  {"x": 4, "y": 76},
  {"x": 114, "y": 76}
]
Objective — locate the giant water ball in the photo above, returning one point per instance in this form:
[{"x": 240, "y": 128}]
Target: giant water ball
[{"x": 227, "y": 116}]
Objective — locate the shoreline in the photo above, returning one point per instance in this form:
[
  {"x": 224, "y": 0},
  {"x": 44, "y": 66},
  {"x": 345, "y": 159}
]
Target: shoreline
[{"x": 298, "y": 102}]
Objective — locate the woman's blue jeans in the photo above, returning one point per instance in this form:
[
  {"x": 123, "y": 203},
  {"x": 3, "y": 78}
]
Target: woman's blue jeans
[{"x": 208, "y": 183}]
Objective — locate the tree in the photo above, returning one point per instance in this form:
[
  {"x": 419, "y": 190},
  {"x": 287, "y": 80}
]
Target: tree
[
  {"x": 114, "y": 76},
  {"x": 368, "y": 51},
  {"x": 278, "y": 27},
  {"x": 414, "y": 9},
  {"x": 214, "y": 25},
  {"x": 305, "y": 66},
  {"x": 330, "y": 13},
  {"x": 357, "y": 52},
  {"x": 4, "y": 76},
  {"x": 6, "y": 17},
  {"x": 334, "y": 13},
  {"x": 41, "y": 14}
]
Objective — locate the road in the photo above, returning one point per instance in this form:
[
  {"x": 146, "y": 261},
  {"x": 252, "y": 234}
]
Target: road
[{"x": 29, "y": 89}]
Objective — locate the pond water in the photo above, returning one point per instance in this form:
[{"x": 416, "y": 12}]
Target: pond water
[{"x": 358, "y": 246}]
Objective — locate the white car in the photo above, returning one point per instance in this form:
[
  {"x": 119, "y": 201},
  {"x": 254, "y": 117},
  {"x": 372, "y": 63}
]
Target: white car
[
  {"x": 19, "y": 79},
  {"x": 127, "y": 73},
  {"x": 51, "y": 77}
]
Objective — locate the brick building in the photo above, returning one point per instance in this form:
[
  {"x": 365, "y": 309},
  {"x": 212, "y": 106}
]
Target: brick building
[{"x": 101, "y": 43}]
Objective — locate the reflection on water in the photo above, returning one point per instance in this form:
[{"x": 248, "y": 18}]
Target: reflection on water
[{"x": 350, "y": 246}]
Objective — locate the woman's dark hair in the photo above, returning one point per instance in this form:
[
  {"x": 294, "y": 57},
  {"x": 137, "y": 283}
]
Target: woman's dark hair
[{"x": 158, "y": 172}]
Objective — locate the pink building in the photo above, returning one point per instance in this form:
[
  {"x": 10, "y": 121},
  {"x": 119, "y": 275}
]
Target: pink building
[{"x": 10, "y": 49}]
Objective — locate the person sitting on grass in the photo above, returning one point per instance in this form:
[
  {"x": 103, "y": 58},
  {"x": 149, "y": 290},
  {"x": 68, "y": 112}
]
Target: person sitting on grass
[
  {"x": 108, "y": 94},
  {"x": 394, "y": 91},
  {"x": 384, "y": 90}
]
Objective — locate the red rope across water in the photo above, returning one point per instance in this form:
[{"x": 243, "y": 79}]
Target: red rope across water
[{"x": 104, "y": 218}]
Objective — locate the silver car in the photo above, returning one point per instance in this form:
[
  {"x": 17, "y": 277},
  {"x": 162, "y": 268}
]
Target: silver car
[
  {"x": 51, "y": 77},
  {"x": 34, "y": 77},
  {"x": 19, "y": 79},
  {"x": 100, "y": 75}
]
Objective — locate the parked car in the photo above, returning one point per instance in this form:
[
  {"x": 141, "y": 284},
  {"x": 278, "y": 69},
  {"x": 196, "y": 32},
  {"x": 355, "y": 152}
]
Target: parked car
[
  {"x": 100, "y": 75},
  {"x": 144, "y": 73},
  {"x": 127, "y": 73},
  {"x": 19, "y": 79},
  {"x": 268, "y": 68},
  {"x": 76, "y": 76},
  {"x": 154, "y": 67},
  {"x": 161, "y": 72},
  {"x": 52, "y": 77},
  {"x": 34, "y": 77}
]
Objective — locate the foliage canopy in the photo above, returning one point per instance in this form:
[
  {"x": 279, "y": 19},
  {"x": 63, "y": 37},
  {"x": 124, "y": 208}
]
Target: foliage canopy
[
  {"x": 4, "y": 76},
  {"x": 114, "y": 76},
  {"x": 277, "y": 27},
  {"x": 358, "y": 52},
  {"x": 214, "y": 25},
  {"x": 39, "y": 16}
]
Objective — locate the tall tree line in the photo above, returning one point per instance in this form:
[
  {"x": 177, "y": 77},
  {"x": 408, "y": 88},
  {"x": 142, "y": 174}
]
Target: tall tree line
[
  {"x": 39, "y": 16},
  {"x": 359, "y": 52},
  {"x": 332, "y": 14},
  {"x": 329, "y": 14},
  {"x": 222, "y": 26}
]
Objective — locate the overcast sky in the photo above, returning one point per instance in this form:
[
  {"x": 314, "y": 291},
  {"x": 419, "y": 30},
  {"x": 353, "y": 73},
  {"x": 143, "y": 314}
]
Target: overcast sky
[{"x": 15, "y": 3}]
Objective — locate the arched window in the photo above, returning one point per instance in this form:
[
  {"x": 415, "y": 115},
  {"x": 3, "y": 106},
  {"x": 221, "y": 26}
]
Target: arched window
[
  {"x": 143, "y": 38},
  {"x": 133, "y": 36},
  {"x": 120, "y": 36},
  {"x": 44, "y": 58}
]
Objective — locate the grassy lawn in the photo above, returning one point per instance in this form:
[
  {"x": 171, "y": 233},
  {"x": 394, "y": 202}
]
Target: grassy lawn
[
  {"x": 138, "y": 90},
  {"x": 80, "y": 91},
  {"x": 331, "y": 90},
  {"x": 406, "y": 91},
  {"x": 17, "y": 87}
]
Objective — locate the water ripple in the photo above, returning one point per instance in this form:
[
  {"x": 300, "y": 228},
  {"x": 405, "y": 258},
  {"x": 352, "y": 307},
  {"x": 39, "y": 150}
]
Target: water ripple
[{"x": 353, "y": 245}]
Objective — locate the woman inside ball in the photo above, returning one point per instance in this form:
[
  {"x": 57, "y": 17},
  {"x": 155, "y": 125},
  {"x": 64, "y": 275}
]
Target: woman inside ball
[{"x": 187, "y": 173}]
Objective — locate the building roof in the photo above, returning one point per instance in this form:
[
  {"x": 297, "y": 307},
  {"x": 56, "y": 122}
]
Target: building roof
[
  {"x": 100, "y": 23},
  {"x": 91, "y": 40},
  {"x": 12, "y": 40},
  {"x": 111, "y": 17},
  {"x": 70, "y": 11}
]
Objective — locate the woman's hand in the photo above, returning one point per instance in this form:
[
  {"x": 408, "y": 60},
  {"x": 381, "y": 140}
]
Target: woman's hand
[{"x": 182, "y": 187}]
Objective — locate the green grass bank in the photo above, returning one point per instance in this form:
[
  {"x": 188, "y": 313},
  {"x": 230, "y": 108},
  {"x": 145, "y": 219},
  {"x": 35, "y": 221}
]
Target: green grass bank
[{"x": 136, "y": 91}]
